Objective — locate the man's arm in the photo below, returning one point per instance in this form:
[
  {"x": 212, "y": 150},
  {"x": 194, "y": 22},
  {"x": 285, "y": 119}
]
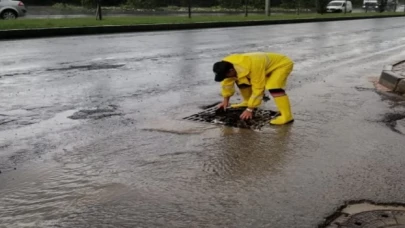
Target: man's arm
[
  {"x": 227, "y": 91},
  {"x": 258, "y": 81},
  {"x": 228, "y": 88}
]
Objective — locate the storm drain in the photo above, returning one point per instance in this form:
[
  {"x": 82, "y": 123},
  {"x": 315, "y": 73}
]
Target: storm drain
[
  {"x": 369, "y": 215},
  {"x": 231, "y": 117}
]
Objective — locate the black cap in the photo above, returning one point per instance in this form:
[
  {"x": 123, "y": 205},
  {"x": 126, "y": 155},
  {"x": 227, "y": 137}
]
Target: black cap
[{"x": 221, "y": 69}]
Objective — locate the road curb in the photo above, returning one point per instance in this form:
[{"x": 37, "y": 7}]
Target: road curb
[
  {"x": 392, "y": 80},
  {"x": 91, "y": 30}
]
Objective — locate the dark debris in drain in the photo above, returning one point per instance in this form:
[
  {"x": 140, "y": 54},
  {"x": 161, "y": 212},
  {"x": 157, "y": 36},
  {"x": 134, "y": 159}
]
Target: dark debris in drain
[
  {"x": 98, "y": 113},
  {"x": 231, "y": 117}
]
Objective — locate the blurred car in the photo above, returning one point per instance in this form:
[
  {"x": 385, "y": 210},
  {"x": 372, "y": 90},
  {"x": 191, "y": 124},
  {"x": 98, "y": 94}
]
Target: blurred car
[
  {"x": 10, "y": 9},
  {"x": 339, "y": 6}
]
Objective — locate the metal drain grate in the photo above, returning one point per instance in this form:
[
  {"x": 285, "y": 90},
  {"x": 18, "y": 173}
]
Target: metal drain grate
[
  {"x": 376, "y": 219},
  {"x": 369, "y": 215},
  {"x": 232, "y": 117}
]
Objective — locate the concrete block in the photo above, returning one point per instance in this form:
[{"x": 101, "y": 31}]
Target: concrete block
[
  {"x": 390, "y": 79},
  {"x": 400, "y": 86},
  {"x": 388, "y": 68}
]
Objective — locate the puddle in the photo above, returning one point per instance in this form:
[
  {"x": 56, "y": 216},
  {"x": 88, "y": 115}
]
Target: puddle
[
  {"x": 58, "y": 122},
  {"x": 7, "y": 122},
  {"x": 231, "y": 117},
  {"x": 97, "y": 113},
  {"x": 367, "y": 214},
  {"x": 88, "y": 67},
  {"x": 176, "y": 127},
  {"x": 15, "y": 74},
  {"x": 361, "y": 89}
]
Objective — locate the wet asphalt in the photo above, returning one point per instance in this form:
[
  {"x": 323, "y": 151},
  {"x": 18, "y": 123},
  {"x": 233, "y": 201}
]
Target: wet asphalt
[{"x": 91, "y": 129}]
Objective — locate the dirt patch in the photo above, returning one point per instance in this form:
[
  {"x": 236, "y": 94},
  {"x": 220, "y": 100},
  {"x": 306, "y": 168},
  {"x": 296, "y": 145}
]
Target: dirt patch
[
  {"x": 391, "y": 96},
  {"x": 391, "y": 120},
  {"x": 384, "y": 92},
  {"x": 231, "y": 117}
]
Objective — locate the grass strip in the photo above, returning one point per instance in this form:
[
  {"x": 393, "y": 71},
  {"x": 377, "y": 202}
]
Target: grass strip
[{"x": 27, "y": 23}]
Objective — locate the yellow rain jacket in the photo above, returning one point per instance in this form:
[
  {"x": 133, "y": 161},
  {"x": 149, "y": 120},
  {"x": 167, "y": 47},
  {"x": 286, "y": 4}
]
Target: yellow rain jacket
[{"x": 252, "y": 69}]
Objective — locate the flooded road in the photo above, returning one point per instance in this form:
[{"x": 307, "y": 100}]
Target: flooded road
[{"x": 91, "y": 129}]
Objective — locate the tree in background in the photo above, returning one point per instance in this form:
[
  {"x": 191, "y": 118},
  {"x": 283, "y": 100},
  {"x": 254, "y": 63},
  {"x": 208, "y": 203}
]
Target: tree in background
[
  {"x": 199, "y": 3},
  {"x": 88, "y": 3},
  {"x": 145, "y": 4},
  {"x": 231, "y": 4},
  {"x": 112, "y": 2},
  {"x": 257, "y": 4},
  {"x": 288, "y": 4},
  {"x": 319, "y": 5}
]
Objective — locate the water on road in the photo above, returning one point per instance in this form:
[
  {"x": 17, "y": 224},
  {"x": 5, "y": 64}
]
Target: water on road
[{"x": 91, "y": 129}]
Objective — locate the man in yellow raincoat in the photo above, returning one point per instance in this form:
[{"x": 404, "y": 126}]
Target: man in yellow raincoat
[{"x": 254, "y": 73}]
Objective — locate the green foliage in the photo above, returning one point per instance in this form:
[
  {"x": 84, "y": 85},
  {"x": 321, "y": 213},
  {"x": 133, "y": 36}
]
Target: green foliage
[
  {"x": 185, "y": 3},
  {"x": 294, "y": 4},
  {"x": 321, "y": 6},
  {"x": 287, "y": 4},
  {"x": 90, "y": 21},
  {"x": 232, "y": 4},
  {"x": 88, "y": 3},
  {"x": 62, "y": 6},
  {"x": 257, "y": 4},
  {"x": 143, "y": 4},
  {"x": 174, "y": 4}
]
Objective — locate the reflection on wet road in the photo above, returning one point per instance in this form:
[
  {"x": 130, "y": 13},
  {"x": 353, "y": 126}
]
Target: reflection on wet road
[{"x": 91, "y": 132}]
